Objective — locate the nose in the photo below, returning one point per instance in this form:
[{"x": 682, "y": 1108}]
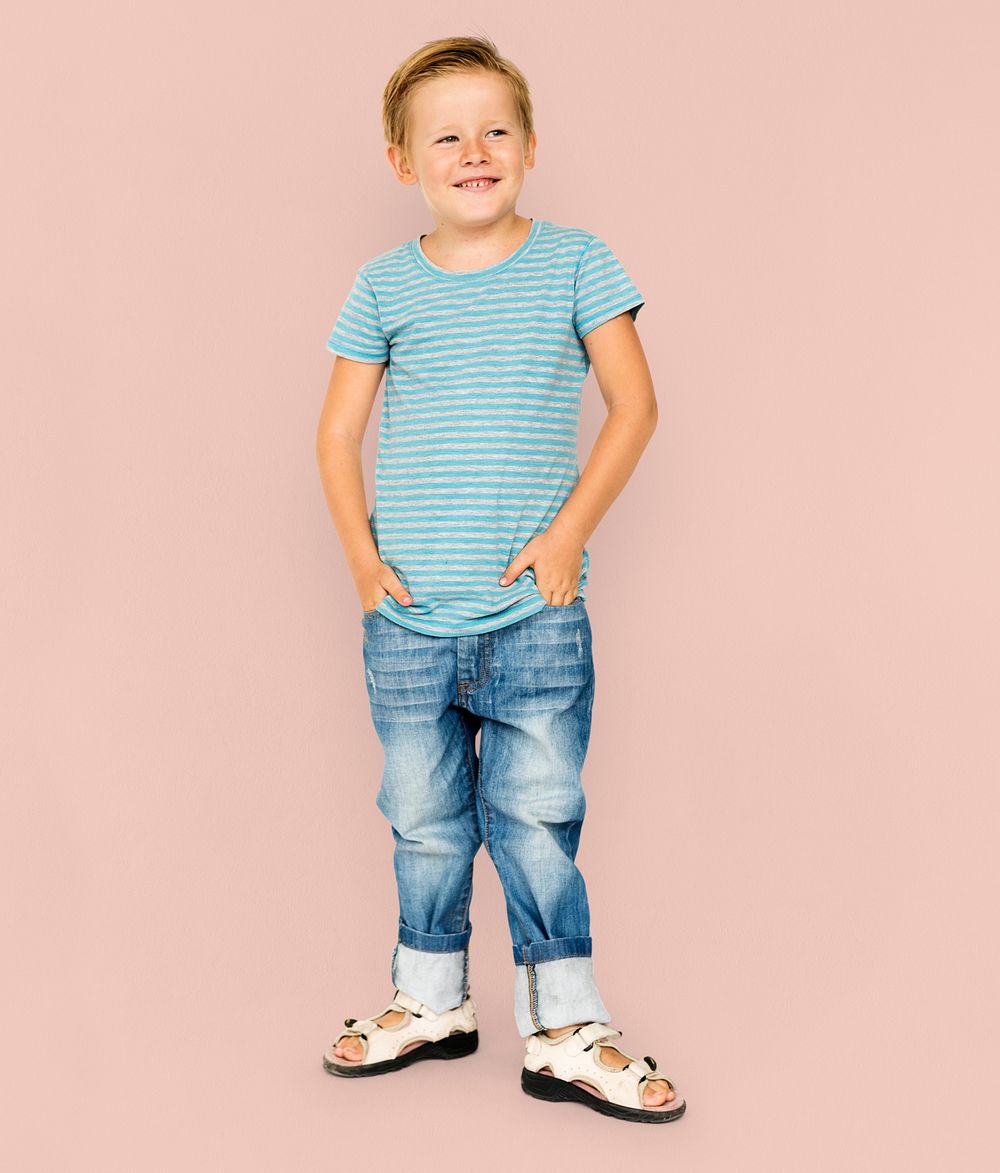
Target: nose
[{"x": 475, "y": 154}]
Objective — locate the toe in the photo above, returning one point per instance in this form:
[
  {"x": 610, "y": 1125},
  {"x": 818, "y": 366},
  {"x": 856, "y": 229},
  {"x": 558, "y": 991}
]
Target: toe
[
  {"x": 344, "y": 1049},
  {"x": 657, "y": 1093}
]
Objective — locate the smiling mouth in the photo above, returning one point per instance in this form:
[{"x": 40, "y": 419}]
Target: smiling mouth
[{"x": 478, "y": 185}]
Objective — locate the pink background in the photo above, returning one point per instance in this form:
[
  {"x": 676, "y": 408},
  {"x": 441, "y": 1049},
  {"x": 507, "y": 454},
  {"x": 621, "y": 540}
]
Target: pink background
[{"x": 792, "y": 781}]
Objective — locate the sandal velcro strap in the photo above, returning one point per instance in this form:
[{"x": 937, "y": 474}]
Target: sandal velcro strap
[
  {"x": 403, "y": 1001},
  {"x": 581, "y": 1039},
  {"x": 593, "y": 1031},
  {"x": 360, "y": 1026}
]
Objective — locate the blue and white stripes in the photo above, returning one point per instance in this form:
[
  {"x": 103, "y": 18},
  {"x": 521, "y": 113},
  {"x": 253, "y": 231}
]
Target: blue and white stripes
[{"x": 478, "y": 431}]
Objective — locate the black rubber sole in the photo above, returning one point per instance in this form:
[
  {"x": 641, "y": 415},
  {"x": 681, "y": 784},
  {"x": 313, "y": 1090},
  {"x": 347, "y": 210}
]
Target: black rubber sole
[
  {"x": 548, "y": 1087},
  {"x": 452, "y": 1047}
]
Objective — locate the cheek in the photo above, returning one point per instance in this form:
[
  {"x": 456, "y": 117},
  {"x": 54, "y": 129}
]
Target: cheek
[{"x": 441, "y": 169}]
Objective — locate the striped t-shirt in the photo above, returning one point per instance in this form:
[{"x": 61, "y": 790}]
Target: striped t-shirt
[{"x": 477, "y": 443}]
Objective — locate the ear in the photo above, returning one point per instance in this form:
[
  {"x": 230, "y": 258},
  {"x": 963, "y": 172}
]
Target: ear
[
  {"x": 399, "y": 164},
  {"x": 529, "y": 151}
]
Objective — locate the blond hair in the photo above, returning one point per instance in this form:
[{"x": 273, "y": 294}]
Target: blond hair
[{"x": 449, "y": 55}]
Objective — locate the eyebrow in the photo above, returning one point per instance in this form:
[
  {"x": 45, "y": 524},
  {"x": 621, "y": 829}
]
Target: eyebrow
[{"x": 491, "y": 121}]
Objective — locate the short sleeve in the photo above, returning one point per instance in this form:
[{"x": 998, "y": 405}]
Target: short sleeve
[
  {"x": 357, "y": 332},
  {"x": 603, "y": 289}
]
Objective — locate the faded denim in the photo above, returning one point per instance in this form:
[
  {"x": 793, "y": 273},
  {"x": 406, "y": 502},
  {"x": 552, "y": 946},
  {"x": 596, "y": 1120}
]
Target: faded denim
[{"x": 528, "y": 689}]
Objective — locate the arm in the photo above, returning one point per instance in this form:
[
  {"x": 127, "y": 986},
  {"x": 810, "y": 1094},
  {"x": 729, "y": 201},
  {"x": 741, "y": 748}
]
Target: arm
[
  {"x": 342, "y": 423},
  {"x": 626, "y": 385}
]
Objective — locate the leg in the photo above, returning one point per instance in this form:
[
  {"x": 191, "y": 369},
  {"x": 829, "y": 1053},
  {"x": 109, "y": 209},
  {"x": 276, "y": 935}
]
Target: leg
[
  {"x": 536, "y": 710},
  {"x": 427, "y": 795}
]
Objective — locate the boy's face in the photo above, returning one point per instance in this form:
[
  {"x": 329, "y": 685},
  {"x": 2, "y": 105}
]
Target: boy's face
[{"x": 465, "y": 125}]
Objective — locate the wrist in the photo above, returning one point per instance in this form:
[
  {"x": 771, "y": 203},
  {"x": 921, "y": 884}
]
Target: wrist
[
  {"x": 364, "y": 566},
  {"x": 567, "y": 533}
]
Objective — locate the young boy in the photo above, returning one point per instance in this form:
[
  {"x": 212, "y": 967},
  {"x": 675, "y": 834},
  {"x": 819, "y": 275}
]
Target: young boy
[{"x": 472, "y": 568}]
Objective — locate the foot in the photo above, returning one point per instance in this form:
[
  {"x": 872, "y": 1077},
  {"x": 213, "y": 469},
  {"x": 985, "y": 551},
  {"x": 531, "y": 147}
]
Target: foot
[
  {"x": 350, "y": 1050},
  {"x": 655, "y": 1092}
]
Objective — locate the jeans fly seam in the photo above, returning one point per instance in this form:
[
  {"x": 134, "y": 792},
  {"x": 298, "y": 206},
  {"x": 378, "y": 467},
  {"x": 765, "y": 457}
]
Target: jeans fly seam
[{"x": 471, "y": 685}]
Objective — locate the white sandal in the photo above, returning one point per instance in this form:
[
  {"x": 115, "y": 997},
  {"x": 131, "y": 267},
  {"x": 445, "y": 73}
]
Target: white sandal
[
  {"x": 420, "y": 1034},
  {"x": 574, "y": 1056}
]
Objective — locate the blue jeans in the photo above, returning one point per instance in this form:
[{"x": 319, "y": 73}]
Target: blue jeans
[{"x": 528, "y": 689}]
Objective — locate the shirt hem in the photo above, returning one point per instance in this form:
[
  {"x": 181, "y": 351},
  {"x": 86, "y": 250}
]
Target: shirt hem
[{"x": 394, "y": 617}]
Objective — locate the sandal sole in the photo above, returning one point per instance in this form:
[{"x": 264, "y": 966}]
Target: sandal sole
[
  {"x": 452, "y": 1047},
  {"x": 550, "y": 1087}
]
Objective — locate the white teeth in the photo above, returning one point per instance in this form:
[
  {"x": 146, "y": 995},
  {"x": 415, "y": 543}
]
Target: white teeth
[{"x": 479, "y": 183}]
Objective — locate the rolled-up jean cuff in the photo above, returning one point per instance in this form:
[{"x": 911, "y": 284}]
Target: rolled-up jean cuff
[
  {"x": 551, "y": 994},
  {"x": 553, "y": 950},
  {"x": 434, "y": 942},
  {"x": 439, "y": 980}
]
